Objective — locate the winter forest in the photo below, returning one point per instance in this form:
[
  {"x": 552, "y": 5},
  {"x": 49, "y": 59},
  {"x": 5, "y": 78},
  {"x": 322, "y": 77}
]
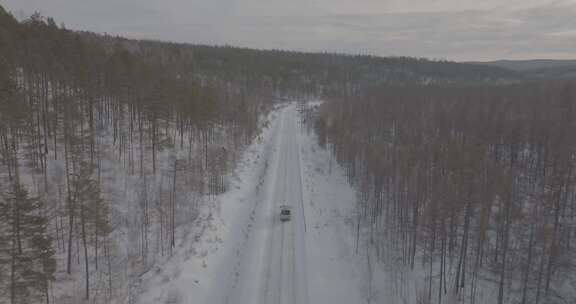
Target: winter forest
[
  {"x": 115, "y": 154},
  {"x": 469, "y": 184},
  {"x": 103, "y": 147}
]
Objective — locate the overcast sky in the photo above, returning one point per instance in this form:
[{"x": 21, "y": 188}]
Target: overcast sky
[{"x": 440, "y": 29}]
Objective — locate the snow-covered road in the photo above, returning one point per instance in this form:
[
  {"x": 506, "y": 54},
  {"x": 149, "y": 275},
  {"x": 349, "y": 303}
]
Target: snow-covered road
[
  {"x": 246, "y": 255},
  {"x": 274, "y": 262}
]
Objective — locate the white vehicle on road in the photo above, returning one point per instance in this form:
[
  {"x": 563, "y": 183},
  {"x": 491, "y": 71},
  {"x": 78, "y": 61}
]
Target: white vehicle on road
[{"x": 285, "y": 213}]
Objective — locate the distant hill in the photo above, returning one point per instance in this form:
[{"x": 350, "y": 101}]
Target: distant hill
[
  {"x": 538, "y": 68},
  {"x": 297, "y": 71}
]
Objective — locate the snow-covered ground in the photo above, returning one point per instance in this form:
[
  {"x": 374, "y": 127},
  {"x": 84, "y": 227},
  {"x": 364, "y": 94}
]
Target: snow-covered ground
[{"x": 245, "y": 254}]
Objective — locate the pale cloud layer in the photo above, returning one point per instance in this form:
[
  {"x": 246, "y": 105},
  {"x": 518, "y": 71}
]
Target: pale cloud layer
[{"x": 447, "y": 29}]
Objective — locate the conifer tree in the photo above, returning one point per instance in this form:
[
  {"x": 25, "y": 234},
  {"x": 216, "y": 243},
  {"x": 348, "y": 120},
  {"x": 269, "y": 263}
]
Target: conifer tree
[{"x": 27, "y": 249}]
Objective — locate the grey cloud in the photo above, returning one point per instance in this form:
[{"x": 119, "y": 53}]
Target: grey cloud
[{"x": 509, "y": 30}]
